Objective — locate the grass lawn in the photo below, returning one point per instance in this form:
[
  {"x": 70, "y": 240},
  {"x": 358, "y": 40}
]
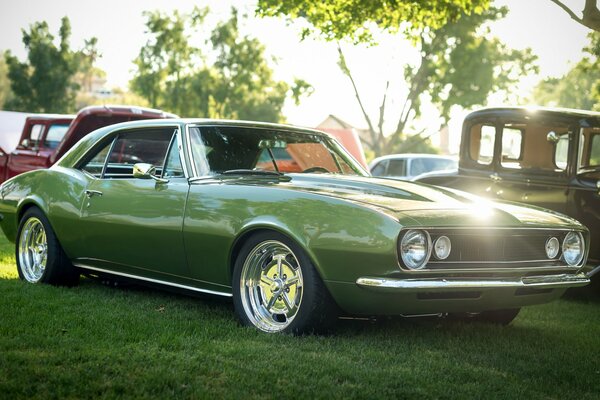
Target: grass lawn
[{"x": 103, "y": 342}]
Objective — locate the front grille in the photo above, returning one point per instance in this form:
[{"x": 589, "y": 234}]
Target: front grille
[{"x": 489, "y": 248}]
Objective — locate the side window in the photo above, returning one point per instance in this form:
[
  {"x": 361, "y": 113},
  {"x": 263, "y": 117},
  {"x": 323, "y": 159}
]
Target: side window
[
  {"x": 129, "y": 148},
  {"x": 595, "y": 152},
  {"x": 143, "y": 146},
  {"x": 95, "y": 165},
  {"x": 589, "y": 147},
  {"x": 379, "y": 168},
  {"x": 561, "y": 152},
  {"x": 512, "y": 146},
  {"x": 396, "y": 168},
  {"x": 173, "y": 167},
  {"x": 481, "y": 144},
  {"x": 55, "y": 135},
  {"x": 35, "y": 135}
]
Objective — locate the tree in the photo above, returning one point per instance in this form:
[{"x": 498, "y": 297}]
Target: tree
[
  {"x": 232, "y": 80},
  {"x": 354, "y": 19},
  {"x": 44, "y": 82},
  {"x": 590, "y": 17},
  {"x": 578, "y": 88},
  {"x": 460, "y": 63},
  {"x": 5, "y": 92}
]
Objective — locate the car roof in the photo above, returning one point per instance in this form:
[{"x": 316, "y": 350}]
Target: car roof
[{"x": 534, "y": 110}]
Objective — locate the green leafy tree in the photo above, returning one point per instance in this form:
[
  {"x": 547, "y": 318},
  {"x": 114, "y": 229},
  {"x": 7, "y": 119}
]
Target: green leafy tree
[
  {"x": 232, "y": 79},
  {"x": 355, "y": 19},
  {"x": 44, "y": 83},
  {"x": 460, "y": 63},
  {"x": 5, "y": 92},
  {"x": 578, "y": 88}
]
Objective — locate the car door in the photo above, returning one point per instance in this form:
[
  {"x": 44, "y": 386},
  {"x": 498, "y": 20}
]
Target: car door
[
  {"x": 134, "y": 225},
  {"x": 533, "y": 163}
]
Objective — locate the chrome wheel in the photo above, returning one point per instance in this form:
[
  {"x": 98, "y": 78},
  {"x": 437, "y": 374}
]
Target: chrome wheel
[
  {"x": 271, "y": 286},
  {"x": 33, "y": 250}
]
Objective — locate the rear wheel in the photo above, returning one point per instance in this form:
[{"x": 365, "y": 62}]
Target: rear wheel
[
  {"x": 39, "y": 256},
  {"x": 277, "y": 289}
]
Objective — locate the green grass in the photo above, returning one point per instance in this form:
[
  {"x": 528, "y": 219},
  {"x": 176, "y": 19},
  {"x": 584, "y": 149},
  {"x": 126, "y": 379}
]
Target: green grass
[{"x": 103, "y": 342}]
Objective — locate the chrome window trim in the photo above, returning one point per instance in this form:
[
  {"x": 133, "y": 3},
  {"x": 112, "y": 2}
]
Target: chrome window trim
[
  {"x": 425, "y": 270},
  {"x": 152, "y": 280}
]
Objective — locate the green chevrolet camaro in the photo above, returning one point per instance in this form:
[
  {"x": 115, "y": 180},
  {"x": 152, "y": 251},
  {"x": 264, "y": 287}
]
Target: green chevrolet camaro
[{"x": 284, "y": 221}]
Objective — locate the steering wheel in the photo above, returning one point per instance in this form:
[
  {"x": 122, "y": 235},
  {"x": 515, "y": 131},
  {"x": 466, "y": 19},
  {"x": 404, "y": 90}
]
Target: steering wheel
[{"x": 316, "y": 169}]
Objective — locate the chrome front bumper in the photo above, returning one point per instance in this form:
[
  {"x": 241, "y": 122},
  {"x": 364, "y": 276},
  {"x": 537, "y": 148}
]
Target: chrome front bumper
[{"x": 457, "y": 284}]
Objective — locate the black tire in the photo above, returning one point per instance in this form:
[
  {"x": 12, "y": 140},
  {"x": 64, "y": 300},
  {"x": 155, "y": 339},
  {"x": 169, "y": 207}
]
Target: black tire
[
  {"x": 316, "y": 311},
  {"x": 501, "y": 317},
  {"x": 56, "y": 269}
]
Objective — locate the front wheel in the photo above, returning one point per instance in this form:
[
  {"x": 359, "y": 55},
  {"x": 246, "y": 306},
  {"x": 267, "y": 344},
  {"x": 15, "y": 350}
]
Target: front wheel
[
  {"x": 277, "y": 289},
  {"x": 39, "y": 256}
]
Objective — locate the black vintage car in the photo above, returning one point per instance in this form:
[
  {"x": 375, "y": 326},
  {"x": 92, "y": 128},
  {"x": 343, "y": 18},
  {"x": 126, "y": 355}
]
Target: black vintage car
[{"x": 544, "y": 157}]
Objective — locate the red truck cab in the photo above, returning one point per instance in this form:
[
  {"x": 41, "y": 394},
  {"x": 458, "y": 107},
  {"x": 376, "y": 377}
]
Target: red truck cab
[{"x": 46, "y": 137}]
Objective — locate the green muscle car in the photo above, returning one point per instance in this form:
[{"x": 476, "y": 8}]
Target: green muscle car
[{"x": 286, "y": 222}]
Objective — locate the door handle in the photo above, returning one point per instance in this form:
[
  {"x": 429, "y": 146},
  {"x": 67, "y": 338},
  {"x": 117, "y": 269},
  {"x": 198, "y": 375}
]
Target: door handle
[{"x": 92, "y": 193}]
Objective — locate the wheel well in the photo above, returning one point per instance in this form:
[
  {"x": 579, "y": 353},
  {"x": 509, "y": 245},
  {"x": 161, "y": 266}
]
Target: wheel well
[
  {"x": 239, "y": 242},
  {"x": 23, "y": 209}
]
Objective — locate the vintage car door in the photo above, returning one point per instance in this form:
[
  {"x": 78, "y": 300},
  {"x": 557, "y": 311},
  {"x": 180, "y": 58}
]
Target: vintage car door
[
  {"x": 534, "y": 162},
  {"x": 133, "y": 225},
  {"x": 584, "y": 202}
]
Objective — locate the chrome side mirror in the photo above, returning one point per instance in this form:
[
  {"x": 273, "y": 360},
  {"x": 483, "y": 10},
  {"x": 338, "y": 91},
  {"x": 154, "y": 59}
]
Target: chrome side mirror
[
  {"x": 146, "y": 171},
  {"x": 25, "y": 143},
  {"x": 552, "y": 137},
  {"x": 598, "y": 186}
]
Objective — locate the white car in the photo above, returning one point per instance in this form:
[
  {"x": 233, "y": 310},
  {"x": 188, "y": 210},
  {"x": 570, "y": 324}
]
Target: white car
[{"x": 408, "y": 166}]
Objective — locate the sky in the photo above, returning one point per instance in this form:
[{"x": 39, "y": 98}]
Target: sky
[{"x": 119, "y": 26}]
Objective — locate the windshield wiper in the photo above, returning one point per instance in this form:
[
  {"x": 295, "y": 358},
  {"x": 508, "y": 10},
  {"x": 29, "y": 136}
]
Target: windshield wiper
[{"x": 253, "y": 172}]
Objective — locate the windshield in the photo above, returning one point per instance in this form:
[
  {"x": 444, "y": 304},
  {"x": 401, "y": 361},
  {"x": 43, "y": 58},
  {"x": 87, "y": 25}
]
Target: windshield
[{"x": 219, "y": 149}]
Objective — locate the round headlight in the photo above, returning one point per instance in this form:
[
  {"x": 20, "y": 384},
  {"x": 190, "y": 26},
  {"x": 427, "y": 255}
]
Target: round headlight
[
  {"x": 552, "y": 246},
  {"x": 442, "y": 247},
  {"x": 573, "y": 248},
  {"x": 415, "y": 248}
]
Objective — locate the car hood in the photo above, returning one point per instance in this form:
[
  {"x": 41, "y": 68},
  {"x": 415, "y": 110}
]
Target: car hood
[{"x": 420, "y": 204}]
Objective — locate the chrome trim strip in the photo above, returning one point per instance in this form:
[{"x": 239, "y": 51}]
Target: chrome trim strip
[
  {"x": 177, "y": 285},
  {"x": 451, "y": 284}
]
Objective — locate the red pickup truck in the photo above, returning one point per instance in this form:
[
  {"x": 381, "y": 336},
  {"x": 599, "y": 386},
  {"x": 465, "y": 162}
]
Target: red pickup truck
[{"x": 46, "y": 137}]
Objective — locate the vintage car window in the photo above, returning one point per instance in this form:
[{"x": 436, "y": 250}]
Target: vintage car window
[
  {"x": 396, "y": 167},
  {"x": 218, "y": 149},
  {"x": 173, "y": 167},
  {"x": 535, "y": 148},
  {"x": 561, "y": 152},
  {"x": 512, "y": 147},
  {"x": 55, "y": 135},
  {"x": 589, "y": 152},
  {"x": 95, "y": 165},
  {"x": 595, "y": 151},
  {"x": 481, "y": 144},
  {"x": 423, "y": 165},
  {"x": 141, "y": 146},
  {"x": 379, "y": 168},
  {"x": 35, "y": 136}
]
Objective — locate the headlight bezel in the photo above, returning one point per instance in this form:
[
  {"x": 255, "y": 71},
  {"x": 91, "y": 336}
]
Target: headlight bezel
[
  {"x": 581, "y": 255},
  {"x": 402, "y": 242},
  {"x": 553, "y": 239}
]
